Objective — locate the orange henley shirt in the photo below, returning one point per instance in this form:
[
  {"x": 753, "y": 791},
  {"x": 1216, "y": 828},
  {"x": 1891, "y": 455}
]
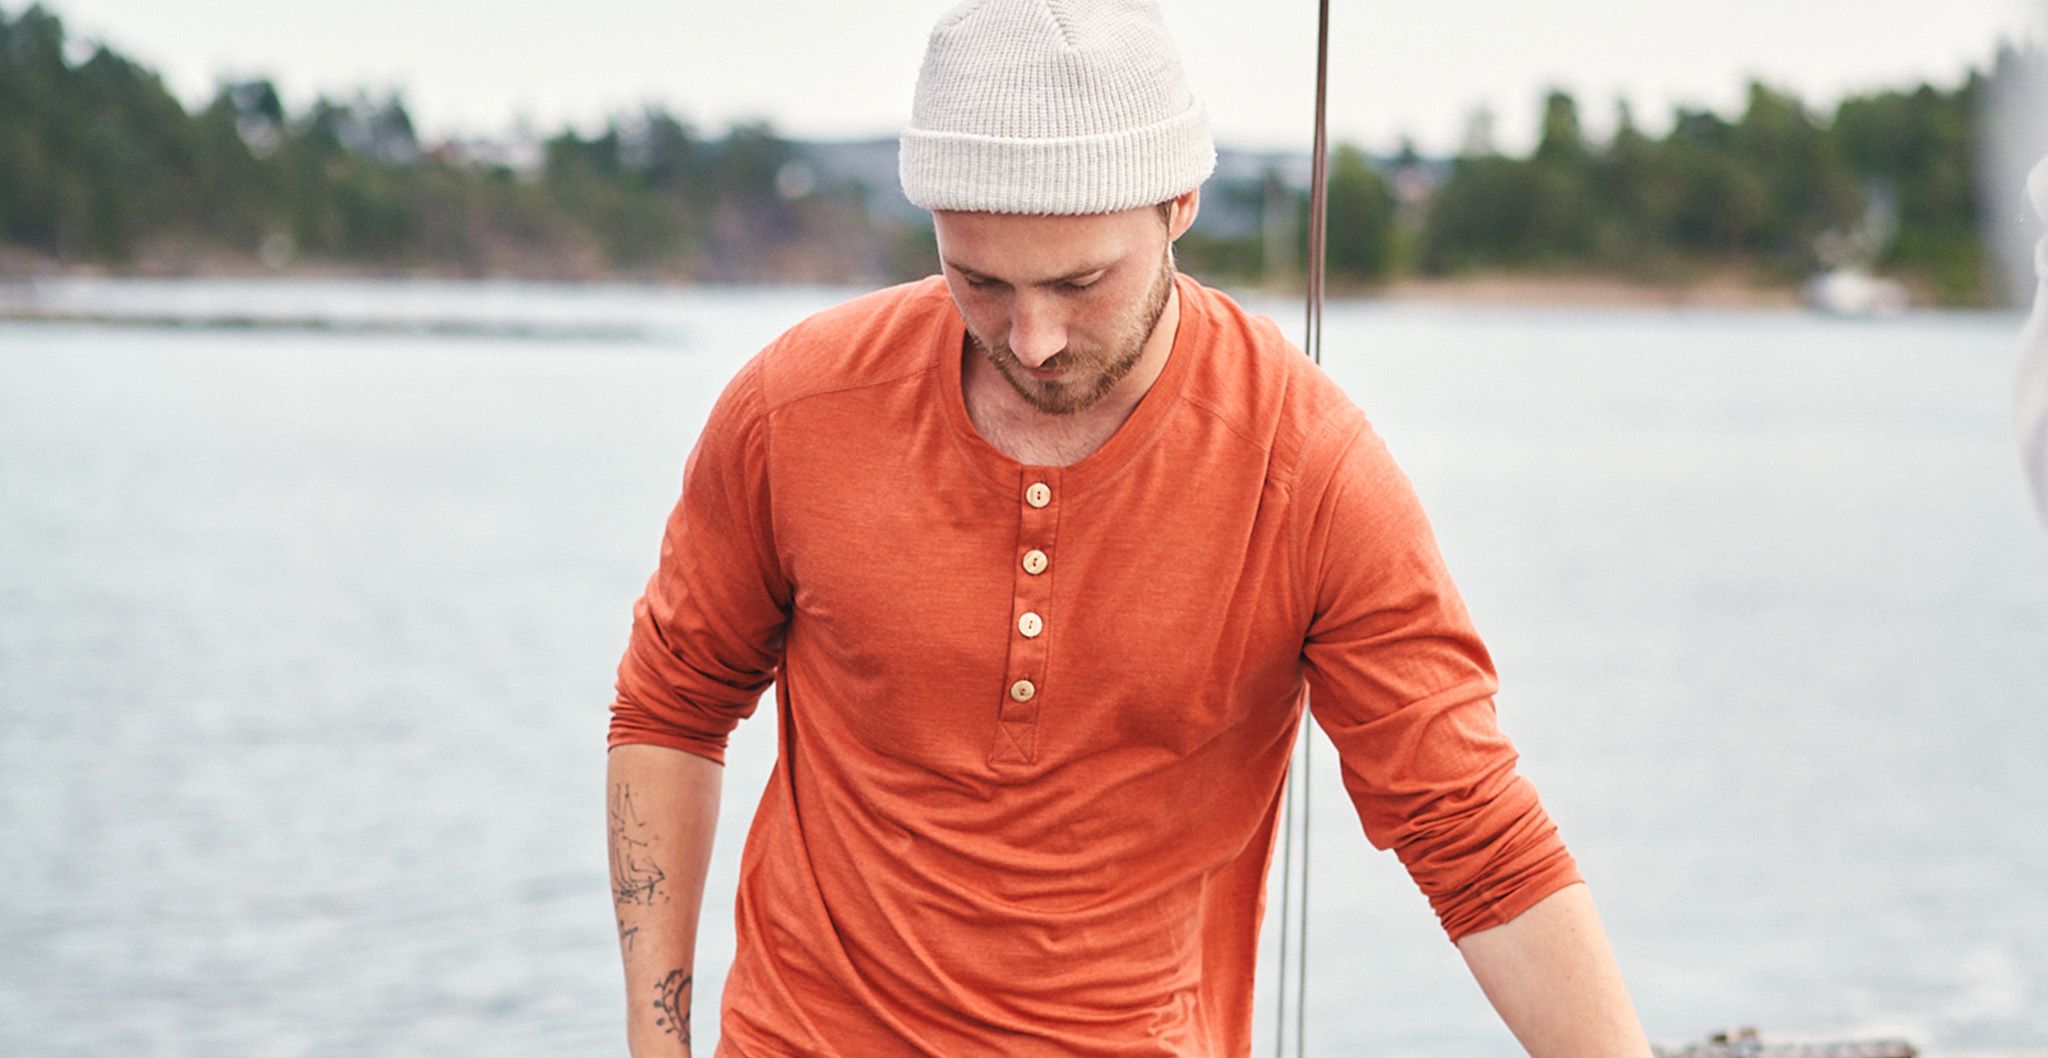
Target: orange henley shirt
[{"x": 1034, "y": 720}]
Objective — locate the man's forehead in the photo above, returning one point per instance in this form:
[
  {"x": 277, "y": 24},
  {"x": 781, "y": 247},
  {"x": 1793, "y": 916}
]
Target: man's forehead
[
  {"x": 1030, "y": 278},
  {"x": 1035, "y": 248}
]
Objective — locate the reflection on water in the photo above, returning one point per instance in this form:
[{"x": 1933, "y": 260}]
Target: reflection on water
[{"x": 306, "y": 637}]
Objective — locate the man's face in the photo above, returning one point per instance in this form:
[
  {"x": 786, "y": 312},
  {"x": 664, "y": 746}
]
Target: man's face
[{"x": 1059, "y": 306}]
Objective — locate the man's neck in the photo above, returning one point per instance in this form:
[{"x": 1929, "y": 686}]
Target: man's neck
[{"x": 1024, "y": 433}]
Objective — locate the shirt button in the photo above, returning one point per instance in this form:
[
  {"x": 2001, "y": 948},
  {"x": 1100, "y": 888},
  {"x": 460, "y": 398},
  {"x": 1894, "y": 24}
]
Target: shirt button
[
  {"x": 1034, "y": 562},
  {"x": 1038, "y": 495},
  {"x": 1030, "y": 624},
  {"x": 1023, "y": 691}
]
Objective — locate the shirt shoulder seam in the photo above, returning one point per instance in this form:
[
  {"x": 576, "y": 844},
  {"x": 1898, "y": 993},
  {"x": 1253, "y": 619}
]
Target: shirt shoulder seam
[{"x": 777, "y": 404}]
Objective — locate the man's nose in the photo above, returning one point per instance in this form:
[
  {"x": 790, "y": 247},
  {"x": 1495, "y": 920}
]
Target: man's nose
[{"x": 1037, "y": 331}]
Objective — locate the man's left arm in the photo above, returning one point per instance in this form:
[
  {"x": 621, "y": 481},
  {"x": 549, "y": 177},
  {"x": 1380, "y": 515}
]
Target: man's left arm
[
  {"x": 1552, "y": 977},
  {"x": 1402, "y": 685}
]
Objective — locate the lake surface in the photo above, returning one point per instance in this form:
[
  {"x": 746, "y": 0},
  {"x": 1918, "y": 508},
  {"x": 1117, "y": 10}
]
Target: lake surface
[{"x": 307, "y": 634}]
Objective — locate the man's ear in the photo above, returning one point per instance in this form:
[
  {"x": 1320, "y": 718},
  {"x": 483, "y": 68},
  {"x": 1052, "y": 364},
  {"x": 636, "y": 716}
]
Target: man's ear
[{"x": 1181, "y": 213}]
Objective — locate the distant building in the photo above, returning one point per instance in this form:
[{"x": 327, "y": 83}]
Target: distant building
[{"x": 522, "y": 155}]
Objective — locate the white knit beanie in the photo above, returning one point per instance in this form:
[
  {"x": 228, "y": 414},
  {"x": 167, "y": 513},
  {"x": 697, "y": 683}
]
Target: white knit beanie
[{"x": 1053, "y": 107}]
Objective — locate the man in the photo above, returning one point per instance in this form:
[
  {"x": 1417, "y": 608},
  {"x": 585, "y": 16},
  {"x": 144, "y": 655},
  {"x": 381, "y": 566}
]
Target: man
[{"x": 1041, "y": 556}]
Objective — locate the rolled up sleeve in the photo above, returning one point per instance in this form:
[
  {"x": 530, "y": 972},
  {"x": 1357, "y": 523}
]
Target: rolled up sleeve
[
  {"x": 1402, "y": 685},
  {"x": 707, "y": 632}
]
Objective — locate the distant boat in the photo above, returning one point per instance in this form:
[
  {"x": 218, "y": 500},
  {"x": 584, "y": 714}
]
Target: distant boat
[{"x": 1851, "y": 291}]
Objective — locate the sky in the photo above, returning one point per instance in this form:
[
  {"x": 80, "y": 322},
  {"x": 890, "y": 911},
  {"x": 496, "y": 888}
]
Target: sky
[{"x": 840, "y": 69}]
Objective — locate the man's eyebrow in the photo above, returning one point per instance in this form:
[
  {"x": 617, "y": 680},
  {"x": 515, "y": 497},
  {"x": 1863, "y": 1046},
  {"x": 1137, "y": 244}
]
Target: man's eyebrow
[{"x": 1080, "y": 273}]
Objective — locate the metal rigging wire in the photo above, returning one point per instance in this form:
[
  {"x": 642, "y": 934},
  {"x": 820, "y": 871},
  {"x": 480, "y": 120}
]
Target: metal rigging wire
[{"x": 1293, "y": 911}]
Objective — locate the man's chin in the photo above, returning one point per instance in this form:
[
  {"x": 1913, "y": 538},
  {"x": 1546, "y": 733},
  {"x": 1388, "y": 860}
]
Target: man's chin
[{"x": 1053, "y": 398}]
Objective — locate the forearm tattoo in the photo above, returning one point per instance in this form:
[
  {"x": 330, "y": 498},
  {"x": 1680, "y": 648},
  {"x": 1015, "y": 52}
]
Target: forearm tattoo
[
  {"x": 672, "y": 999},
  {"x": 635, "y": 877}
]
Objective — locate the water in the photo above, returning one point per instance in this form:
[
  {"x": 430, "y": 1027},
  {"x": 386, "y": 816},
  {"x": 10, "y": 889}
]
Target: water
[{"x": 306, "y": 637}]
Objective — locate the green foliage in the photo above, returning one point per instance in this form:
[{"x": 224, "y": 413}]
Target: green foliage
[
  {"x": 1563, "y": 144},
  {"x": 1916, "y": 151},
  {"x": 1361, "y": 219},
  {"x": 99, "y": 163},
  {"x": 1763, "y": 193}
]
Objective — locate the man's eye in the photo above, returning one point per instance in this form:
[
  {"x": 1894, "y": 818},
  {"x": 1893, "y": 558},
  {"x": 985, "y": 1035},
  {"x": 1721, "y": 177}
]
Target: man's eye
[
  {"x": 981, "y": 283},
  {"x": 1078, "y": 285}
]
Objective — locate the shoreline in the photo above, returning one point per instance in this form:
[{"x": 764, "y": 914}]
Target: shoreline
[
  {"x": 1719, "y": 290},
  {"x": 1727, "y": 291},
  {"x": 1490, "y": 289}
]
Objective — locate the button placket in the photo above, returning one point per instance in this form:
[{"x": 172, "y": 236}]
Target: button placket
[{"x": 1025, "y": 687}]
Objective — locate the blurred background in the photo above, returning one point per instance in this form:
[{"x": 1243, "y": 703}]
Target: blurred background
[{"x": 349, "y": 357}]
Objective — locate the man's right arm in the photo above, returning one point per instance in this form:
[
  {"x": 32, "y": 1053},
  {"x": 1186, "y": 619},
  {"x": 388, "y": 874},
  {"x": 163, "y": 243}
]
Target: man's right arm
[
  {"x": 706, "y": 641},
  {"x": 662, "y": 810}
]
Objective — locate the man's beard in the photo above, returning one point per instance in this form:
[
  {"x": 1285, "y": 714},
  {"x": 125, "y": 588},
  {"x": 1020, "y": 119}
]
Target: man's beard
[{"x": 1099, "y": 369}]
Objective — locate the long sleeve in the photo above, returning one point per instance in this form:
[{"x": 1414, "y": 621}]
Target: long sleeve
[
  {"x": 1403, "y": 686},
  {"x": 707, "y": 633}
]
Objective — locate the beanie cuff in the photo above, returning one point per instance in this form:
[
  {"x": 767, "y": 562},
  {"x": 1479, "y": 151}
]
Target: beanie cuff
[{"x": 1065, "y": 176}]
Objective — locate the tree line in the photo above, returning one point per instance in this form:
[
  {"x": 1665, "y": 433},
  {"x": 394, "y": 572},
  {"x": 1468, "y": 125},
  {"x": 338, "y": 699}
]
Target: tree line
[
  {"x": 1889, "y": 183},
  {"x": 100, "y": 164}
]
